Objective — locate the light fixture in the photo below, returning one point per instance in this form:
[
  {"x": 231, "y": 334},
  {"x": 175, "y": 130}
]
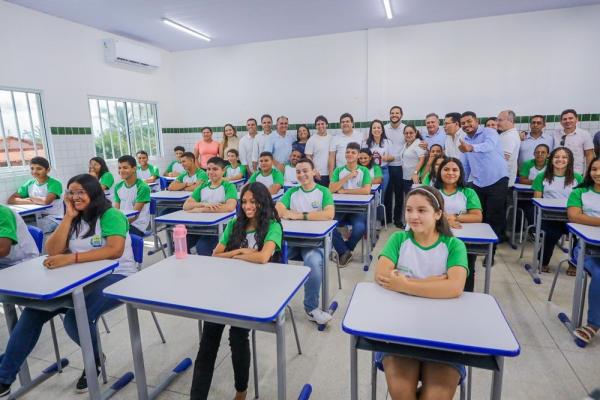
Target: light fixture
[
  {"x": 388, "y": 9},
  {"x": 185, "y": 29}
]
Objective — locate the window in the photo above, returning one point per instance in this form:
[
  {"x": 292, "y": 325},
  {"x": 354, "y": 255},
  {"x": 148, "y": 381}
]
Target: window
[
  {"x": 123, "y": 127},
  {"x": 22, "y": 129}
]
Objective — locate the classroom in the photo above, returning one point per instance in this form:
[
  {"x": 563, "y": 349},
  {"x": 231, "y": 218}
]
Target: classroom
[{"x": 277, "y": 199}]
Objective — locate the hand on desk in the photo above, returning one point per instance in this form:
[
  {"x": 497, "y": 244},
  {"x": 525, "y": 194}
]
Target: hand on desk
[
  {"x": 453, "y": 221},
  {"x": 395, "y": 280},
  {"x": 59, "y": 260}
]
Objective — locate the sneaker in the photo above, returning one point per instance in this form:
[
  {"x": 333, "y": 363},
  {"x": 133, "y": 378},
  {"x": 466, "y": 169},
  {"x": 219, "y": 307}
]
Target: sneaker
[
  {"x": 4, "y": 390},
  {"x": 82, "y": 386},
  {"x": 345, "y": 258},
  {"x": 318, "y": 316}
]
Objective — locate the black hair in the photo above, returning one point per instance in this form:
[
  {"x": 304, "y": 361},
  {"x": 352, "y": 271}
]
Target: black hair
[
  {"x": 266, "y": 154},
  {"x": 321, "y": 118},
  {"x": 441, "y": 225},
  {"x": 179, "y": 148},
  {"x": 98, "y": 205},
  {"x": 103, "y": 166},
  {"x": 542, "y": 145},
  {"x": 217, "y": 161},
  {"x": 127, "y": 159},
  {"x": 587, "y": 180},
  {"x": 266, "y": 116},
  {"x": 368, "y": 152},
  {"x": 298, "y": 132},
  {"x": 460, "y": 183},
  {"x": 353, "y": 146},
  {"x": 428, "y": 156},
  {"x": 454, "y": 116},
  {"x": 398, "y": 107},
  {"x": 207, "y": 127},
  {"x": 569, "y": 174},
  {"x": 490, "y": 119},
  {"x": 468, "y": 114},
  {"x": 415, "y": 129},
  {"x": 252, "y": 119},
  {"x": 538, "y": 116},
  {"x": 370, "y": 138},
  {"x": 142, "y": 152},
  {"x": 569, "y": 111},
  {"x": 41, "y": 161},
  {"x": 308, "y": 161},
  {"x": 189, "y": 154},
  {"x": 347, "y": 115},
  {"x": 234, "y": 151}
]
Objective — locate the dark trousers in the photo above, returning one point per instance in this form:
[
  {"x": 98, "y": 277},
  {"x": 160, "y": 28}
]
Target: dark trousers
[
  {"x": 553, "y": 230},
  {"x": 324, "y": 181},
  {"x": 135, "y": 231},
  {"x": 207, "y": 354},
  {"x": 394, "y": 194},
  {"x": 470, "y": 282},
  {"x": 493, "y": 202}
]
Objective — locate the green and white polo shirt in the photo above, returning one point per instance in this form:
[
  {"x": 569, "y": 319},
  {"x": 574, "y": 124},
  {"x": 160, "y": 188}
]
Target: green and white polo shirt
[
  {"x": 199, "y": 175},
  {"x": 361, "y": 179},
  {"x": 107, "y": 179},
  {"x": 587, "y": 199},
  {"x": 274, "y": 234},
  {"x": 289, "y": 174},
  {"x": 214, "y": 194},
  {"x": 299, "y": 200},
  {"x": 127, "y": 196},
  {"x": 147, "y": 173},
  {"x": 268, "y": 180},
  {"x": 174, "y": 166},
  {"x": 461, "y": 201},
  {"x": 240, "y": 169},
  {"x": 529, "y": 170},
  {"x": 13, "y": 227},
  {"x": 555, "y": 189},
  {"x": 375, "y": 172},
  {"x": 32, "y": 188}
]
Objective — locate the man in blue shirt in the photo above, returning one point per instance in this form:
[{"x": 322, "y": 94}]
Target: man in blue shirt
[
  {"x": 485, "y": 167},
  {"x": 435, "y": 134},
  {"x": 280, "y": 143},
  {"x": 535, "y": 137}
]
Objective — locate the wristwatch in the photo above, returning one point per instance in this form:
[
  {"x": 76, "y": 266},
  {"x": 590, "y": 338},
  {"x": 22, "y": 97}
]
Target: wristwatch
[{"x": 305, "y": 216}]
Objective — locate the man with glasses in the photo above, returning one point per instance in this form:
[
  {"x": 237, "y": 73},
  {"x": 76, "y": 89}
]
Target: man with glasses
[
  {"x": 535, "y": 137},
  {"x": 453, "y": 135},
  {"x": 578, "y": 140}
]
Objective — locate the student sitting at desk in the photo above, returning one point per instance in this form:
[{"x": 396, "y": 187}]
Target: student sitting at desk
[
  {"x": 145, "y": 171},
  {"x": 365, "y": 158},
  {"x": 461, "y": 204},
  {"x": 91, "y": 230},
  {"x": 556, "y": 182},
  {"x": 42, "y": 189},
  {"x": 584, "y": 208},
  {"x": 192, "y": 177},
  {"x": 16, "y": 243},
  {"x": 132, "y": 193},
  {"x": 175, "y": 168},
  {"x": 289, "y": 169},
  {"x": 530, "y": 169},
  {"x": 215, "y": 196},
  {"x": 234, "y": 171},
  {"x": 428, "y": 167},
  {"x": 254, "y": 235},
  {"x": 425, "y": 261},
  {"x": 430, "y": 177},
  {"x": 99, "y": 170},
  {"x": 350, "y": 179},
  {"x": 309, "y": 202},
  {"x": 271, "y": 177}
]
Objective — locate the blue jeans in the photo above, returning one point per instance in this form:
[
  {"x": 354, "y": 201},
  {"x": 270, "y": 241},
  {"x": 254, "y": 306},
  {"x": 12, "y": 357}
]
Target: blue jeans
[
  {"x": 204, "y": 244},
  {"x": 29, "y": 327},
  {"x": 386, "y": 181},
  {"x": 359, "y": 226},
  {"x": 313, "y": 258},
  {"x": 592, "y": 265}
]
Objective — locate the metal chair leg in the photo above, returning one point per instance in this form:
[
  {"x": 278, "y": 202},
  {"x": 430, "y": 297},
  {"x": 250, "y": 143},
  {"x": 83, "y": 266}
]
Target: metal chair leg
[
  {"x": 55, "y": 343},
  {"x": 162, "y": 337},
  {"x": 555, "y": 279},
  {"x": 527, "y": 230},
  {"x": 101, "y": 355},
  {"x": 469, "y": 382},
  {"x": 255, "y": 364},
  {"x": 162, "y": 247},
  {"x": 105, "y": 324},
  {"x": 294, "y": 327}
]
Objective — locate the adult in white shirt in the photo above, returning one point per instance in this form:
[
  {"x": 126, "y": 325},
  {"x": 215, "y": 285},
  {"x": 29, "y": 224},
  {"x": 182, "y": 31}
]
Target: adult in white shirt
[
  {"x": 434, "y": 133},
  {"x": 259, "y": 144},
  {"x": 578, "y": 140},
  {"x": 380, "y": 146},
  {"x": 413, "y": 157},
  {"x": 317, "y": 150},
  {"x": 394, "y": 194},
  {"x": 246, "y": 143},
  {"x": 510, "y": 140},
  {"x": 536, "y": 136},
  {"x": 337, "y": 146},
  {"x": 453, "y": 136}
]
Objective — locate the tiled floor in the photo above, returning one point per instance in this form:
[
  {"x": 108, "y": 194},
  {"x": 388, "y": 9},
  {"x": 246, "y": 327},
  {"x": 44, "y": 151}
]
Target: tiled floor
[{"x": 550, "y": 366}]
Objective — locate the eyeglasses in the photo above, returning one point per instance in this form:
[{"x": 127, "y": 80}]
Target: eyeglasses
[
  {"x": 562, "y": 140},
  {"x": 76, "y": 193}
]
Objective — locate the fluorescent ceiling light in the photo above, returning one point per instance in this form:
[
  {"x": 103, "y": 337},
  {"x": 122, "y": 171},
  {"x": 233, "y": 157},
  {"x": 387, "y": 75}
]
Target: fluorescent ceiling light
[
  {"x": 185, "y": 29},
  {"x": 388, "y": 9}
]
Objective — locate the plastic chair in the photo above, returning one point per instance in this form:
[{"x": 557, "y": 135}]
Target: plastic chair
[
  {"x": 38, "y": 236},
  {"x": 163, "y": 183}
]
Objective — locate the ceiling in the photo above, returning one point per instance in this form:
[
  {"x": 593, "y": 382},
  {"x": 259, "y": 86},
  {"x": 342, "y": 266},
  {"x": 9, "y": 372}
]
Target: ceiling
[{"x": 230, "y": 22}]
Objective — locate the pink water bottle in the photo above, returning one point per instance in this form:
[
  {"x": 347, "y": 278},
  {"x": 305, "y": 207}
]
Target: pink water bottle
[{"x": 180, "y": 242}]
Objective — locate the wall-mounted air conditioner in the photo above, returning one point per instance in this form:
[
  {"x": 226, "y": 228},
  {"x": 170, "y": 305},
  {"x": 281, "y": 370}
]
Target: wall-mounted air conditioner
[{"x": 130, "y": 54}]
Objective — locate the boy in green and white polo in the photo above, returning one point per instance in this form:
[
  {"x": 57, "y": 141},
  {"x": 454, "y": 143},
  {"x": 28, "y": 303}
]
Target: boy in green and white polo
[
  {"x": 309, "y": 202},
  {"x": 145, "y": 171},
  {"x": 132, "y": 193},
  {"x": 192, "y": 177},
  {"x": 175, "y": 168},
  {"x": 16, "y": 243},
  {"x": 235, "y": 170},
  {"x": 271, "y": 177}
]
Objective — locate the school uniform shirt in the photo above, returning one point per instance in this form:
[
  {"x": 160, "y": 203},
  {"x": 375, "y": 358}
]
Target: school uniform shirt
[
  {"x": 340, "y": 141},
  {"x": 379, "y": 150},
  {"x": 111, "y": 223},
  {"x": 107, "y": 179},
  {"x": 578, "y": 142},
  {"x": 396, "y": 137},
  {"x": 299, "y": 200},
  {"x": 199, "y": 175},
  {"x": 240, "y": 169},
  {"x": 174, "y": 166},
  {"x": 318, "y": 147},
  {"x": 32, "y": 188},
  {"x": 245, "y": 148},
  {"x": 375, "y": 172},
  {"x": 529, "y": 143},
  {"x": 587, "y": 199},
  {"x": 418, "y": 262},
  {"x": 461, "y": 201},
  {"x": 410, "y": 158},
  {"x": 148, "y": 172},
  {"x": 13, "y": 227},
  {"x": 511, "y": 142},
  {"x": 555, "y": 189},
  {"x": 207, "y": 193},
  {"x": 268, "y": 180},
  {"x": 529, "y": 169},
  {"x": 127, "y": 196},
  {"x": 361, "y": 179},
  {"x": 289, "y": 174},
  {"x": 274, "y": 234}
]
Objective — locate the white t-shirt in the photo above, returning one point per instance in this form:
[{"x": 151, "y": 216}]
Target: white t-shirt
[
  {"x": 555, "y": 189},
  {"x": 396, "y": 137},
  {"x": 410, "y": 158},
  {"x": 578, "y": 142},
  {"x": 510, "y": 142},
  {"x": 339, "y": 143},
  {"x": 451, "y": 145},
  {"x": 379, "y": 150},
  {"x": 258, "y": 146},
  {"x": 127, "y": 196},
  {"x": 318, "y": 147},
  {"x": 245, "y": 148}
]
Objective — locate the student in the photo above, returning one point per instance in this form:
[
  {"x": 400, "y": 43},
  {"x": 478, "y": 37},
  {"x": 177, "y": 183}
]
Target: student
[
  {"x": 365, "y": 158},
  {"x": 302, "y": 136},
  {"x": 91, "y": 230},
  {"x": 16, "y": 243},
  {"x": 308, "y": 202},
  {"x": 254, "y": 235},
  {"x": 413, "y": 157},
  {"x": 42, "y": 189},
  {"x": 424, "y": 261},
  {"x": 132, "y": 193},
  {"x": 434, "y": 151},
  {"x": 461, "y": 204},
  {"x": 271, "y": 177},
  {"x": 583, "y": 207},
  {"x": 234, "y": 171},
  {"x": 530, "y": 169},
  {"x": 289, "y": 172},
  {"x": 317, "y": 150},
  {"x": 430, "y": 178},
  {"x": 146, "y": 172},
  {"x": 215, "y": 195},
  {"x": 191, "y": 178},
  {"x": 99, "y": 169},
  {"x": 231, "y": 141},
  {"x": 350, "y": 179},
  {"x": 556, "y": 182},
  {"x": 175, "y": 168}
]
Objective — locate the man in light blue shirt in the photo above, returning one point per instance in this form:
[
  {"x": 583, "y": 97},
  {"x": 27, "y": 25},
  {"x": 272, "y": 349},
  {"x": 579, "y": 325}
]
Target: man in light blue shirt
[
  {"x": 535, "y": 137},
  {"x": 280, "y": 142},
  {"x": 434, "y": 134},
  {"x": 485, "y": 167}
]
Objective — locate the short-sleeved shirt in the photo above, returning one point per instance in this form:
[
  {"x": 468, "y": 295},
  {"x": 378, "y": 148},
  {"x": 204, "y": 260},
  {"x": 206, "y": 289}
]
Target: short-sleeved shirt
[
  {"x": 174, "y": 166},
  {"x": 32, "y": 188},
  {"x": 245, "y": 148},
  {"x": 111, "y": 223},
  {"x": 206, "y": 150},
  {"x": 128, "y": 196},
  {"x": 439, "y": 137},
  {"x": 396, "y": 137},
  {"x": 148, "y": 172},
  {"x": 13, "y": 227},
  {"x": 578, "y": 142},
  {"x": 529, "y": 144},
  {"x": 274, "y": 234},
  {"x": 451, "y": 145},
  {"x": 418, "y": 262},
  {"x": 375, "y": 172},
  {"x": 510, "y": 141},
  {"x": 107, "y": 179},
  {"x": 240, "y": 169},
  {"x": 280, "y": 146},
  {"x": 410, "y": 158},
  {"x": 555, "y": 189},
  {"x": 379, "y": 150},
  {"x": 461, "y": 201},
  {"x": 268, "y": 180},
  {"x": 587, "y": 199},
  {"x": 339, "y": 143},
  {"x": 299, "y": 200},
  {"x": 529, "y": 169},
  {"x": 258, "y": 146},
  {"x": 318, "y": 147},
  {"x": 361, "y": 179},
  {"x": 199, "y": 175},
  {"x": 207, "y": 193},
  {"x": 289, "y": 174}
]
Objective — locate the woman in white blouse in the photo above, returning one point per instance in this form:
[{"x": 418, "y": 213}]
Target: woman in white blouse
[
  {"x": 413, "y": 157},
  {"x": 379, "y": 145}
]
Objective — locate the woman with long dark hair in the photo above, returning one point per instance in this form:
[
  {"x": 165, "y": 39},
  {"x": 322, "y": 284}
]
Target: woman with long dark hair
[
  {"x": 254, "y": 235},
  {"x": 380, "y": 146},
  {"x": 99, "y": 169}
]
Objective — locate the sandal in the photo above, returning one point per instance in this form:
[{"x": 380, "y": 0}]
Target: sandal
[
  {"x": 571, "y": 271},
  {"x": 585, "y": 333}
]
